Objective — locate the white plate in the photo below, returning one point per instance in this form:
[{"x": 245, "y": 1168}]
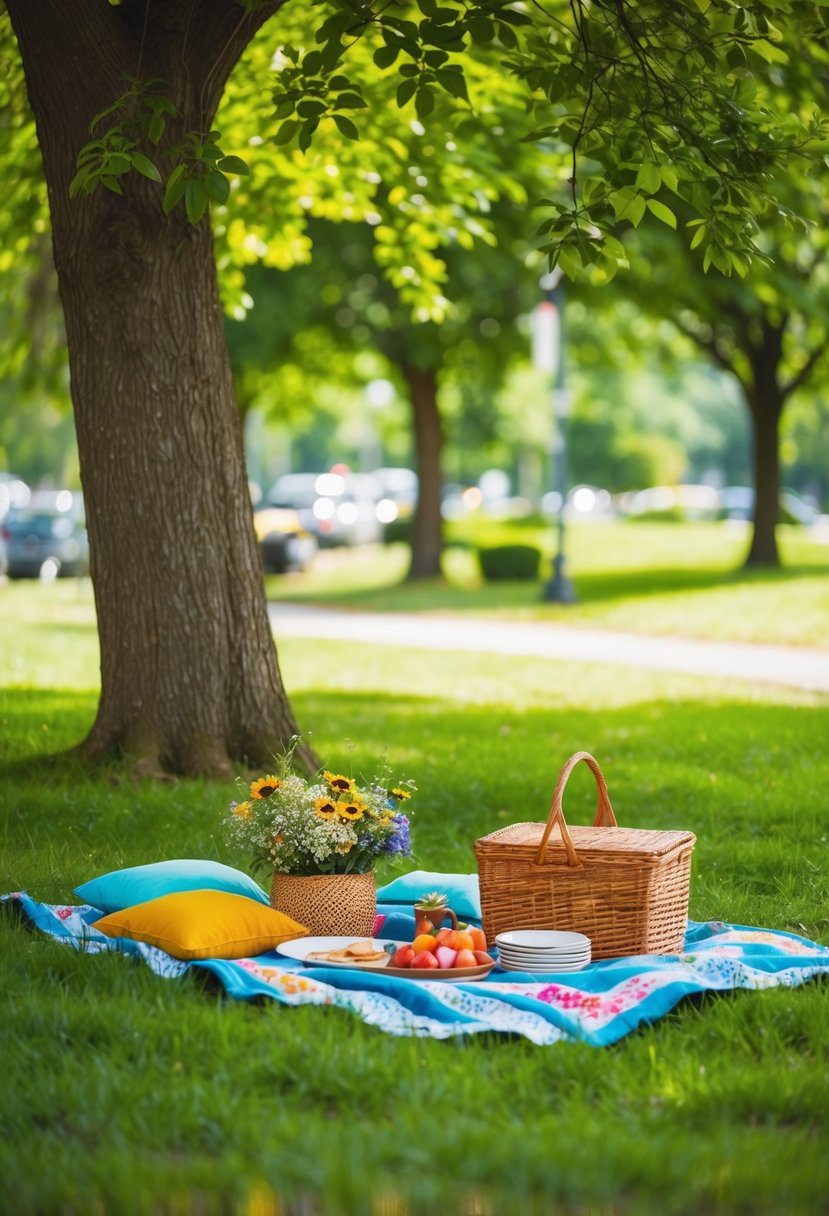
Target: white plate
[
  {"x": 543, "y": 957},
  {"x": 542, "y": 939},
  {"x": 537, "y": 969},
  {"x": 300, "y": 947},
  {"x": 529, "y": 952}
]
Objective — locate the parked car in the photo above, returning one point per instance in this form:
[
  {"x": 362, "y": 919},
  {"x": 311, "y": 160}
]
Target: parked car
[
  {"x": 283, "y": 542},
  {"x": 338, "y": 509},
  {"x": 737, "y": 502},
  {"x": 47, "y": 538},
  {"x": 399, "y": 488},
  {"x": 13, "y": 493}
]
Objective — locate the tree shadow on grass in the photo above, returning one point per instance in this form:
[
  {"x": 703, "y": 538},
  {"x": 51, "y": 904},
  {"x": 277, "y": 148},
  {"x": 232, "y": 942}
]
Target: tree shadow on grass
[
  {"x": 439, "y": 595},
  {"x": 748, "y": 779}
]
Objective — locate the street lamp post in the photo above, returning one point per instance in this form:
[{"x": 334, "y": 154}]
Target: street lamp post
[{"x": 548, "y": 356}]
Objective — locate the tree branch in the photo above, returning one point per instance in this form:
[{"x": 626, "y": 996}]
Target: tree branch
[
  {"x": 709, "y": 344},
  {"x": 799, "y": 378}
]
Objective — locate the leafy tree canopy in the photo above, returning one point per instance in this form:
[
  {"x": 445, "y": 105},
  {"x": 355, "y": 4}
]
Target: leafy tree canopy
[{"x": 647, "y": 110}]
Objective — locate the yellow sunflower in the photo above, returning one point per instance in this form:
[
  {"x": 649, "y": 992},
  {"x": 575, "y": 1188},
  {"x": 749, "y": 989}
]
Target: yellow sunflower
[
  {"x": 343, "y": 785},
  {"x": 400, "y": 794},
  {"x": 351, "y": 810},
  {"x": 243, "y": 810},
  {"x": 325, "y": 808},
  {"x": 264, "y": 787}
]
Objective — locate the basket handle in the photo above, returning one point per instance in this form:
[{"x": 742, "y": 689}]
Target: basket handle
[{"x": 604, "y": 811}]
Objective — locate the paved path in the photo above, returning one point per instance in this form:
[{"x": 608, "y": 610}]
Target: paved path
[{"x": 792, "y": 666}]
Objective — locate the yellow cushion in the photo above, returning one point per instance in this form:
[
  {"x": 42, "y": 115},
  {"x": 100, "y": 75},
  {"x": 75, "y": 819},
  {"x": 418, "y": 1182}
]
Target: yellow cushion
[{"x": 203, "y": 924}]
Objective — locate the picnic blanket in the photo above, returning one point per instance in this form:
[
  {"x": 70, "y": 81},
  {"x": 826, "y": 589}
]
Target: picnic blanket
[{"x": 598, "y": 1005}]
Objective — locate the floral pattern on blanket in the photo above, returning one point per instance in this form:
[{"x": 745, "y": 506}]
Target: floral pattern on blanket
[{"x": 598, "y": 1005}]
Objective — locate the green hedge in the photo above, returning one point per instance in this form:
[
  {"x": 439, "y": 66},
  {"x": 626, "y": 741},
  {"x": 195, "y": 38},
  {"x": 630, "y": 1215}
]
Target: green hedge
[{"x": 500, "y": 562}]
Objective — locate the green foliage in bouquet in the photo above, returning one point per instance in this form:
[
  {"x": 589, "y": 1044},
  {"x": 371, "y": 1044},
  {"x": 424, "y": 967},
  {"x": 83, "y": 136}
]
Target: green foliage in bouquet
[{"x": 329, "y": 824}]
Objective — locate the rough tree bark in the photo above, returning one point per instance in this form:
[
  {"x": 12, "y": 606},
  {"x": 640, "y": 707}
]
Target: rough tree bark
[
  {"x": 765, "y": 398},
  {"x": 189, "y": 675},
  {"x": 427, "y": 526}
]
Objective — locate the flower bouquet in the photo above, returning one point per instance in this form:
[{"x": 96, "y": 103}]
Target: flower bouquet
[{"x": 322, "y": 838}]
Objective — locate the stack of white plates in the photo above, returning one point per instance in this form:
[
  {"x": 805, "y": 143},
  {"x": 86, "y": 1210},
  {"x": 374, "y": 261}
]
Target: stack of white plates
[{"x": 542, "y": 950}]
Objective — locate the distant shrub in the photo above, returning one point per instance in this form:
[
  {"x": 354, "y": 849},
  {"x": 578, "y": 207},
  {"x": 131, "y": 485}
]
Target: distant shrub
[
  {"x": 510, "y": 562},
  {"x": 667, "y": 515},
  {"x": 399, "y": 529}
]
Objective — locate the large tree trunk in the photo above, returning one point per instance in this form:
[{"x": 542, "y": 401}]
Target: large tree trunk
[
  {"x": 765, "y": 401},
  {"x": 766, "y": 464},
  {"x": 427, "y": 526},
  {"x": 189, "y": 677}
]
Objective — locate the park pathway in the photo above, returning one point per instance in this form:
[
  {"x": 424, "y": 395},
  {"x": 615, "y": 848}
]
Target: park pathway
[{"x": 792, "y": 666}]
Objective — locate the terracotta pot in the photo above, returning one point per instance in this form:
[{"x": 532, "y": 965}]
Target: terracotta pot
[{"x": 436, "y": 916}]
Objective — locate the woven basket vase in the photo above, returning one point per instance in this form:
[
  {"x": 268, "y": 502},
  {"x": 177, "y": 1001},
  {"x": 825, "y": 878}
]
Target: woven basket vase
[
  {"x": 627, "y": 889},
  {"x": 328, "y": 905}
]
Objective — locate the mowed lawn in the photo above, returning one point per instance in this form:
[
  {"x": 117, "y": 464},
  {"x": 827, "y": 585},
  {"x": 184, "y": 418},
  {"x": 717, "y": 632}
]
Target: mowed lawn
[
  {"x": 125, "y": 1093},
  {"x": 655, "y": 578}
]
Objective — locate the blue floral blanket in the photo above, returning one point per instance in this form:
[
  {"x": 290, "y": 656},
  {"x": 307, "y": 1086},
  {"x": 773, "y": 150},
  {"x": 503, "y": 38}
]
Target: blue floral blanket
[{"x": 598, "y": 1005}]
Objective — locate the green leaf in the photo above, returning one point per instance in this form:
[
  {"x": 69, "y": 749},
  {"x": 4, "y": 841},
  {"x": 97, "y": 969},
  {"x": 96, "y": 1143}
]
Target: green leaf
[
  {"x": 424, "y": 102},
  {"x": 385, "y": 56},
  {"x": 769, "y": 52},
  {"x": 307, "y": 133},
  {"x": 233, "y": 164},
  {"x": 346, "y": 127},
  {"x": 481, "y": 29},
  {"x": 661, "y": 212},
  {"x": 145, "y": 166},
  {"x": 454, "y": 82},
  {"x": 648, "y": 178},
  {"x": 174, "y": 191},
  {"x": 350, "y": 101},
  {"x": 311, "y": 107},
  {"x": 78, "y": 182},
  {"x": 195, "y": 199},
  {"x": 405, "y": 91},
  {"x": 699, "y": 237},
  {"x": 111, "y": 183},
  {"x": 117, "y": 163},
  {"x": 155, "y": 128},
  {"x": 286, "y": 132},
  {"x": 217, "y": 185},
  {"x": 569, "y": 261}
]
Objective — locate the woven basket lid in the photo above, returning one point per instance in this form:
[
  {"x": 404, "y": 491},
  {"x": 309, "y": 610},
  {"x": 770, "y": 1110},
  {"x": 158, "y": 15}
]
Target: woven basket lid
[{"x": 634, "y": 843}]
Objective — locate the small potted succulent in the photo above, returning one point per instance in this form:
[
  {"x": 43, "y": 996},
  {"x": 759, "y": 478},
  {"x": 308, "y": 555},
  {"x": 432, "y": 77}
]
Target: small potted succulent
[{"x": 431, "y": 910}]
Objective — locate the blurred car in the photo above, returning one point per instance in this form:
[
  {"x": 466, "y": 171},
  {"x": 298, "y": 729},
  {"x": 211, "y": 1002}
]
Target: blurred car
[
  {"x": 283, "y": 542},
  {"x": 737, "y": 502},
  {"x": 47, "y": 538},
  {"x": 13, "y": 493},
  {"x": 689, "y": 502},
  {"x": 399, "y": 486},
  {"x": 336, "y": 508}
]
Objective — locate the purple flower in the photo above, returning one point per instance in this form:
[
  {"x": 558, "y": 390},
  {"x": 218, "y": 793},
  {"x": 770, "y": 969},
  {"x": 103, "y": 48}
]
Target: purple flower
[{"x": 400, "y": 841}]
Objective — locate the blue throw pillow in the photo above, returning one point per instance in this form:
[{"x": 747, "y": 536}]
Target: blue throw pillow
[
  {"x": 123, "y": 888},
  {"x": 461, "y": 890}
]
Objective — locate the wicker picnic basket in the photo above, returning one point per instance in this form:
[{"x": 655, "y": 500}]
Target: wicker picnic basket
[{"x": 627, "y": 889}]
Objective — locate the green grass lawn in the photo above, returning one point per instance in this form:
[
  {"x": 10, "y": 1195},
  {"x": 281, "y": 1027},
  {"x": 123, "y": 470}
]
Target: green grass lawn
[
  {"x": 125, "y": 1093},
  {"x": 682, "y": 579}
]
